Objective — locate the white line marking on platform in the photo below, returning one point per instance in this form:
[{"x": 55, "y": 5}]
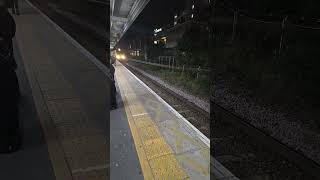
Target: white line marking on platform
[
  {"x": 203, "y": 138},
  {"x": 139, "y": 114},
  {"x": 84, "y": 51}
]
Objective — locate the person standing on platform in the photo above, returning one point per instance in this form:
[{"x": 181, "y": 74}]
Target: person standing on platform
[
  {"x": 10, "y": 139},
  {"x": 113, "y": 83}
]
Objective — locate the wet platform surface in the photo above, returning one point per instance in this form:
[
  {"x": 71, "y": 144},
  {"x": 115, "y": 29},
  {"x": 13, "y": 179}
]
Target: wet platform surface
[
  {"x": 166, "y": 145},
  {"x": 70, "y": 94}
]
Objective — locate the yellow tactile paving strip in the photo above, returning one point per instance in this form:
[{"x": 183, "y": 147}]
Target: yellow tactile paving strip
[
  {"x": 77, "y": 146},
  {"x": 156, "y": 157}
]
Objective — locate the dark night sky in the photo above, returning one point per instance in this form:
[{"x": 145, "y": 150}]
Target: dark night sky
[{"x": 155, "y": 15}]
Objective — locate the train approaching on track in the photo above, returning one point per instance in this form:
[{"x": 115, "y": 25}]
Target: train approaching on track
[{"x": 119, "y": 55}]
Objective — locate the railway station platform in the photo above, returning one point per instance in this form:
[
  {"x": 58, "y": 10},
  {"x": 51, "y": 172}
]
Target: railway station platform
[
  {"x": 150, "y": 140},
  {"x": 165, "y": 145},
  {"x": 65, "y": 109}
]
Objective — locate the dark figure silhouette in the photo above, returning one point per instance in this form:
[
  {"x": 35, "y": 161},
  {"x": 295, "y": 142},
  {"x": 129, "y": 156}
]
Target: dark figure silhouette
[
  {"x": 9, "y": 88},
  {"x": 113, "y": 86}
]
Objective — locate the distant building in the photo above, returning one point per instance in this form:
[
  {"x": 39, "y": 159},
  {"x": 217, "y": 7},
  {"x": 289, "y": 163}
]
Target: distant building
[
  {"x": 136, "y": 48},
  {"x": 192, "y": 15},
  {"x": 165, "y": 39}
]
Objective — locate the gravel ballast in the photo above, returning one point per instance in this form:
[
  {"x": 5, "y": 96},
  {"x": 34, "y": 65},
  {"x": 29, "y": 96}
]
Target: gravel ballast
[
  {"x": 205, "y": 105},
  {"x": 272, "y": 120}
]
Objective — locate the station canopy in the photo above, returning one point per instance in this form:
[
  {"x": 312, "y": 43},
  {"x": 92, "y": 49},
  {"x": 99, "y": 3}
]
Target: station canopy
[{"x": 123, "y": 14}]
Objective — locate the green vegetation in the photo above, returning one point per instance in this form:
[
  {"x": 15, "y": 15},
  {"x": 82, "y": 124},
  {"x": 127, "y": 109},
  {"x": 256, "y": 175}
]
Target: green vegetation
[
  {"x": 192, "y": 50},
  {"x": 187, "y": 81}
]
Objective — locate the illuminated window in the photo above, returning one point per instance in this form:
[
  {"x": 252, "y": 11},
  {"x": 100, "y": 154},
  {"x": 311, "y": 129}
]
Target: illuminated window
[
  {"x": 192, "y": 15},
  {"x": 192, "y": 6},
  {"x": 155, "y": 42}
]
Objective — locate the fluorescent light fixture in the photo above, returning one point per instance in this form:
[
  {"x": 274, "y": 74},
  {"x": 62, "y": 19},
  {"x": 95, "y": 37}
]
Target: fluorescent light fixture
[{"x": 158, "y": 30}]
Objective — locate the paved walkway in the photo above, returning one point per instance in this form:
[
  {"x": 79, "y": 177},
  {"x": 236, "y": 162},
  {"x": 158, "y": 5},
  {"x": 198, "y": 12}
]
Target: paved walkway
[
  {"x": 70, "y": 94},
  {"x": 167, "y": 146}
]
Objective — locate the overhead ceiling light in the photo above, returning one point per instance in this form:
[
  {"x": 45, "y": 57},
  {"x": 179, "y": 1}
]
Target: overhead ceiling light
[{"x": 158, "y": 30}]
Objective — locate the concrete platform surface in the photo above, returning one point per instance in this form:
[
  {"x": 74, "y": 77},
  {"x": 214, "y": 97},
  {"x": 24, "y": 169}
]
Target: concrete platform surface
[
  {"x": 167, "y": 146},
  {"x": 71, "y": 95}
]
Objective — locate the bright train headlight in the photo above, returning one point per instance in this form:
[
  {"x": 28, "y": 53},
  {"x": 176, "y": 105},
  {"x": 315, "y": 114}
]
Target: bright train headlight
[
  {"x": 118, "y": 56},
  {"x": 123, "y": 57}
]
